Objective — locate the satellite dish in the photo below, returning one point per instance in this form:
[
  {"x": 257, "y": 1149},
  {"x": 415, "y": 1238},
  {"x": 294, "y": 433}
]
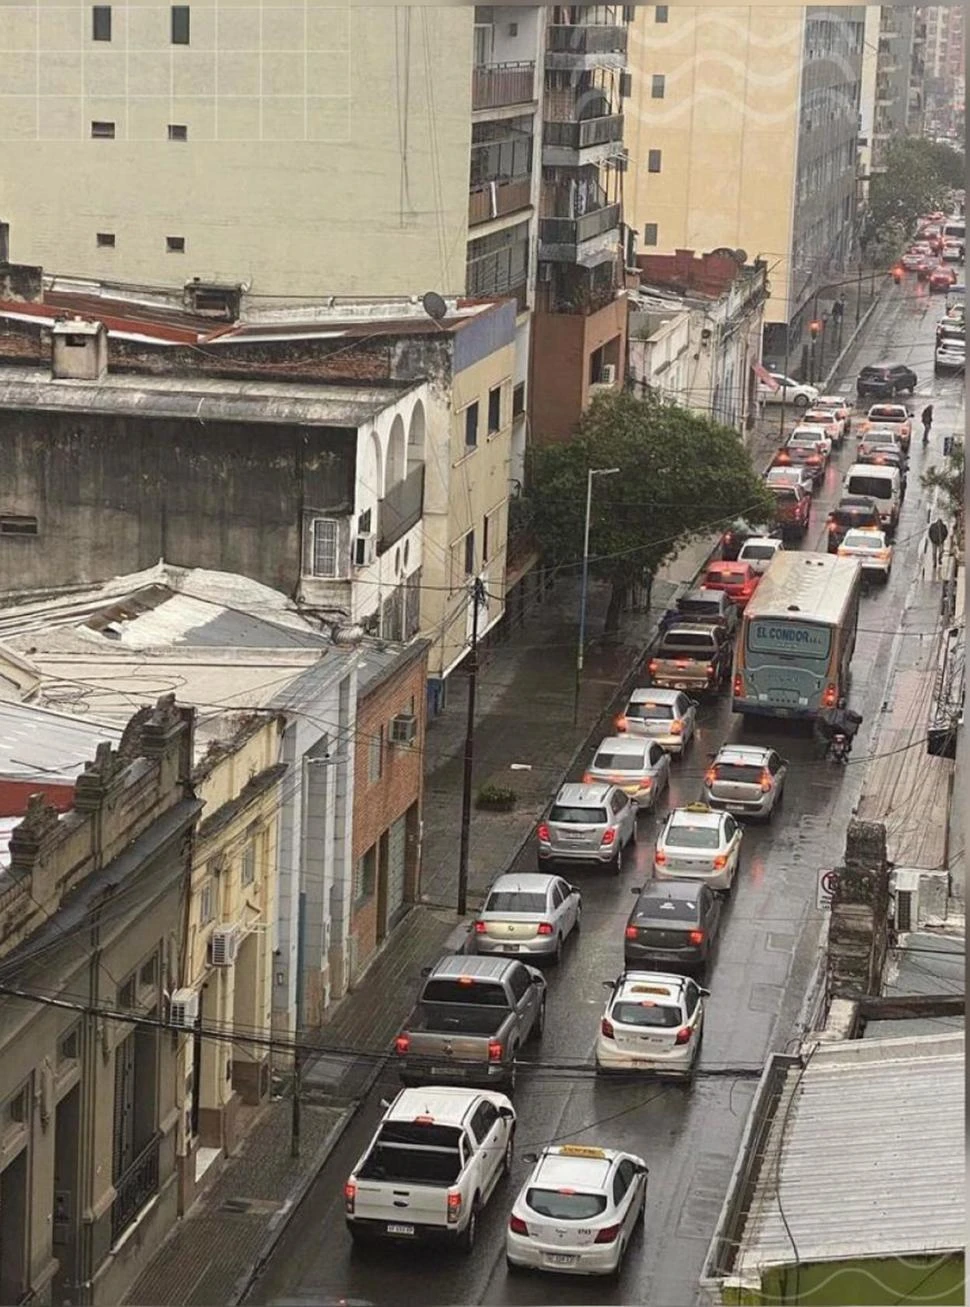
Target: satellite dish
[
  {"x": 741, "y": 256},
  {"x": 722, "y": 252},
  {"x": 434, "y": 305}
]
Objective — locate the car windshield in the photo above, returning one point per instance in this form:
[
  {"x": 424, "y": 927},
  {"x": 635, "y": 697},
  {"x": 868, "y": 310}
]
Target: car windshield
[
  {"x": 849, "y": 516},
  {"x": 879, "y": 373},
  {"x": 759, "y": 551},
  {"x": 650, "y": 712},
  {"x": 687, "y": 640},
  {"x": 875, "y": 487},
  {"x": 565, "y": 1204},
  {"x": 685, "y": 836},
  {"x": 861, "y": 540},
  {"x": 737, "y": 771},
  {"x": 515, "y": 901},
  {"x": 568, "y": 816},
  {"x": 631, "y": 1013},
  {"x": 662, "y": 910},
  {"x": 619, "y": 761}
]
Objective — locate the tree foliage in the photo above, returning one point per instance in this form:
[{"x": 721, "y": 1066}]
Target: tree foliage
[
  {"x": 919, "y": 174},
  {"x": 949, "y": 480},
  {"x": 680, "y": 475}
]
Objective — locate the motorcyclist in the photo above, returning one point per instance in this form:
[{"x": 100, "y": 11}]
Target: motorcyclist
[
  {"x": 926, "y": 417},
  {"x": 840, "y": 720}
]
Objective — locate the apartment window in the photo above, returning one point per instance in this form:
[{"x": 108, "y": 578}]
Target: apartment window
[
  {"x": 105, "y": 240},
  {"x": 101, "y": 23},
  {"x": 470, "y": 553},
  {"x": 653, "y": 160},
  {"x": 660, "y": 14},
  {"x": 178, "y": 132},
  {"x": 18, "y": 1107},
  {"x": 518, "y": 400},
  {"x": 471, "y": 426},
  {"x": 148, "y": 975},
  {"x": 127, "y": 993},
  {"x": 657, "y": 86},
  {"x": 180, "y": 24},
  {"x": 102, "y": 131},
  {"x": 494, "y": 410},
  {"x": 69, "y": 1045},
  {"x": 176, "y": 244},
  {"x": 375, "y": 757},
  {"x": 365, "y": 874},
  {"x": 18, "y": 526},
  {"x": 247, "y": 868},
  {"x": 206, "y": 902},
  {"x": 649, "y": 233},
  {"x": 323, "y": 552}
]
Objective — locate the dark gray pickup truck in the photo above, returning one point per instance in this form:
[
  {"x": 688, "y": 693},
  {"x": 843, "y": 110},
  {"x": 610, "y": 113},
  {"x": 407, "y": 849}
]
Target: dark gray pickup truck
[{"x": 473, "y": 1016}]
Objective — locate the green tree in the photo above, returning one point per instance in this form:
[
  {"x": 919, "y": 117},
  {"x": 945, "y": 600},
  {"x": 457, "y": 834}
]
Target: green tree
[
  {"x": 949, "y": 481},
  {"x": 680, "y": 475},
  {"x": 918, "y": 176}
]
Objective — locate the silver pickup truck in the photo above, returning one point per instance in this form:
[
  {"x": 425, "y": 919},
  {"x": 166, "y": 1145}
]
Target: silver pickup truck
[
  {"x": 473, "y": 1016},
  {"x": 691, "y": 656}
]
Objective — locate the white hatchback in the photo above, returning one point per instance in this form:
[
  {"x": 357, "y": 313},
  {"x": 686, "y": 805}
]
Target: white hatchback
[
  {"x": 870, "y": 549},
  {"x": 653, "y": 1022},
  {"x": 578, "y": 1211},
  {"x": 759, "y": 551},
  {"x": 697, "y": 843}
]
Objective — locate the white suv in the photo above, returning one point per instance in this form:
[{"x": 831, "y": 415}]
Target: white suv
[{"x": 431, "y": 1167}]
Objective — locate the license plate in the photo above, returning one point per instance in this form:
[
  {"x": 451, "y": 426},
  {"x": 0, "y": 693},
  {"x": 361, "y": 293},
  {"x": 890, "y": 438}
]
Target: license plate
[
  {"x": 455, "y": 1072},
  {"x": 560, "y": 1259},
  {"x": 400, "y": 1229},
  {"x": 681, "y": 685}
]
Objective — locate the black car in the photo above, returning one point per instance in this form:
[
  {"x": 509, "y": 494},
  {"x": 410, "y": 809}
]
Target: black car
[
  {"x": 673, "y": 924},
  {"x": 885, "y": 380},
  {"x": 851, "y": 513}
]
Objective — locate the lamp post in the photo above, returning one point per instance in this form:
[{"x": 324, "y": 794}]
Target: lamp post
[{"x": 592, "y": 472}]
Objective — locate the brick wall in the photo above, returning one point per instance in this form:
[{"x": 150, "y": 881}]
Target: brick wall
[
  {"x": 710, "y": 274},
  {"x": 378, "y": 804}
]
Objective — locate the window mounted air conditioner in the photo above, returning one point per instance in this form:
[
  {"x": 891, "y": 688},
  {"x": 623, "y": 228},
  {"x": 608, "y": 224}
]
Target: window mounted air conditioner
[
  {"x": 222, "y": 946},
  {"x": 404, "y": 728},
  {"x": 183, "y": 1011},
  {"x": 365, "y": 549},
  {"x": 608, "y": 374}
]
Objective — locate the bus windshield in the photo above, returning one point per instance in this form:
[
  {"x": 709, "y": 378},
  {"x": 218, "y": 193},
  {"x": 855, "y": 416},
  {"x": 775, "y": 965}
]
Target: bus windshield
[{"x": 802, "y": 640}]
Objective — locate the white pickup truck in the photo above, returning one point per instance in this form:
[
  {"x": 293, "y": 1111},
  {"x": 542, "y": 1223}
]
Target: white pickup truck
[{"x": 433, "y": 1164}]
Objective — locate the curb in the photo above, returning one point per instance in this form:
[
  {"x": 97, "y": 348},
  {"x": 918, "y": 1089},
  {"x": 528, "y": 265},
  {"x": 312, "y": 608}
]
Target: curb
[{"x": 849, "y": 344}]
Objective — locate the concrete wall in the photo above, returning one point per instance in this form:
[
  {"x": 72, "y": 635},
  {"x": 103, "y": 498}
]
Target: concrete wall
[
  {"x": 562, "y": 344},
  {"x": 348, "y": 126}
]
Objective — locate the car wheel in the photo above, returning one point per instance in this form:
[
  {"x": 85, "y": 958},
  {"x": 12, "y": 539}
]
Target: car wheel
[
  {"x": 539, "y": 1025},
  {"x": 800, "y": 401},
  {"x": 616, "y": 865},
  {"x": 471, "y": 1229}
]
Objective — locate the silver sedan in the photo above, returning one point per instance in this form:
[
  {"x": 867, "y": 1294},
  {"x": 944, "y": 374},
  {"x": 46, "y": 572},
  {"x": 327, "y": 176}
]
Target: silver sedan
[
  {"x": 637, "y": 766},
  {"x": 529, "y": 915}
]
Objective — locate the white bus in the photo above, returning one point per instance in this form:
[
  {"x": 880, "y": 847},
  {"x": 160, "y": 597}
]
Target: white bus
[{"x": 797, "y": 636}]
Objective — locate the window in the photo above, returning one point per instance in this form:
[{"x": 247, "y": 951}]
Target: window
[
  {"x": 375, "y": 757},
  {"x": 105, "y": 240},
  {"x": 471, "y": 426},
  {"x": 660, "y": 14},
  {"x": 649, "y": 233},
  {"x": 69, "y": 1045},
  {"x": 178, "y": 132},
  {"x": 653, "y": 161},
  {"x": 18, "y": 1107},
  {"x": 363, "y": 523},
  {"x": 103, "y": 131},
  {"x": 101, "y": 23},
  {"x": 323, "y": 534},
  {"x": 485, "y": 539},
  {"x": 483, "y": 1120},
  {"x": 518, "y": 400},
  {"x": 247, "y": 870},
  {"x": 18, "y": 526},
  {"x": 180, "y": 24},
  {"x": 519, "y": 983},
  {"x": 149, "y": 972},
  {"x": 494, "y": 410},
  {"x": 658, "y": 85},
  {"x": 365, "y": 874},
  {"x": 175, "y": 244},
  {"x": 470, "y": 553},
  {"x": 126, "y": 993},
  {"x": 206, "y": 908}
]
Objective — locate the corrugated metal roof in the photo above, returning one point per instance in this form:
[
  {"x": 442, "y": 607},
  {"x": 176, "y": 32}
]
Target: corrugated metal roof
[
  {"x": 36, "y": 743},
  {"x": 865, "y": 1156}
]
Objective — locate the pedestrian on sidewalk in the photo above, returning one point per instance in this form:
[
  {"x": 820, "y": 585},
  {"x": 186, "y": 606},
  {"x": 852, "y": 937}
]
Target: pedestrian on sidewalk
[
  {"x": 937, "y": 533},
  {"x": 926, "y": 417}
]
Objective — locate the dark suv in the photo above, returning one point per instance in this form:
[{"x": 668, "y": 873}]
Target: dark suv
[
  {"x": 851, "y": 513},
  {"x": 885, "y": 380}
]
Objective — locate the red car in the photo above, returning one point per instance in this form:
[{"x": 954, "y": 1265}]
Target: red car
[
  {"x": 942, "y": 278},
  {"x": 793, "y": 512},
  {"x": 926, "y": 267},
  {"x": 738, "y": 581}
]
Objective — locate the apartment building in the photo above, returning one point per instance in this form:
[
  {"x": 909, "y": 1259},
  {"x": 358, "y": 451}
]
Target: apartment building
[
  {"x": 743, "y": 137},
  {"x": 894, "y": 55},
  {"x": 945, "y": 73}
]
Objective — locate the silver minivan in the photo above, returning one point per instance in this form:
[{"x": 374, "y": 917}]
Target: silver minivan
[
  {"x": 588, "y": 823},
  {"x": 881, "y": 483}
]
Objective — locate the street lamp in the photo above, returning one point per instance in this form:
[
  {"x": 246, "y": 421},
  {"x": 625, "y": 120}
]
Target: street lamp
[{"x": 592, "y": 472}]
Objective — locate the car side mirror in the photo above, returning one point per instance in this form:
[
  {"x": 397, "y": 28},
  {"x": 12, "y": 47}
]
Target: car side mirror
[
  {"x": 530, "y": 1157},
  {"x": 386, "y": 1103},
  {"x": 538, "y": 980},
  {"x": 643, "y": 1170},
  {"x": 506, "y": 1113},
  {"x": 609, "y": 984},
  {"x": 574, "y": 889},
  {"x": 705, "y": 993},
  {"x": 425, "y": 972}
]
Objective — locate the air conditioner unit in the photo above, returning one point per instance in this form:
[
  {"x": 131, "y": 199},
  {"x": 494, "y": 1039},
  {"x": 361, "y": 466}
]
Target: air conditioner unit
[
  {"x": 183, "y": 1010},
  {"x": 404, "y": 728},
  {"x": 222, "y": 946},
  {"x": 365, "y": 550},
  {"x": 608, "y": 374}
]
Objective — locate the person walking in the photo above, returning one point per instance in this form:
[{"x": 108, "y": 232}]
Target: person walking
[
  {"x": 937, "y": 533},
  {"x": 926, "y": 417}
]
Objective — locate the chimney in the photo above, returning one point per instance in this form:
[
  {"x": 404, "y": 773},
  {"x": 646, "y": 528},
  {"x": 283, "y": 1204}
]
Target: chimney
[{"x": 80, "y": 350}]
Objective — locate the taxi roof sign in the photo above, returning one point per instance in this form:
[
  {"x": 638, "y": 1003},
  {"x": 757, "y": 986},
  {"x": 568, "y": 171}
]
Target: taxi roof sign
[
  {"x": 581, "y": 1150},
  {"x": 697, "y": 807},
  {"x": 649, "y": 989}
]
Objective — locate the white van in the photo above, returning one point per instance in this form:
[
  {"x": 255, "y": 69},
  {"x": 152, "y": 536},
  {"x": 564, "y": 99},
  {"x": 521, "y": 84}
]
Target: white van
[{"x": 883, "y": 484}]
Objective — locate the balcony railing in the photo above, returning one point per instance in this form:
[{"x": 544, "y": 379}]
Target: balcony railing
[
  {"x": 579, "y": 136},
  {"x": 400, "y": 509},
  {"x": 562, "y": 38},
  {"x": 494, "y": 199},
  {"x": 497, "y": 85},
  {"x": 137, "y": 1186},
  {"x": 574, "y": 231}
]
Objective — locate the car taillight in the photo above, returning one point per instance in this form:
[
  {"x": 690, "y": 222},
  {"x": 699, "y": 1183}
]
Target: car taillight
[
  {"x": 645, "y": 783},
  {"x": 494, "y": 1050},
  {"x": 402, "y": 1044},
  {"x": 621, "y": 723},
  {"x": 631, "y": 932},
  {"x": 710, "y": 776},
  {"x": 813, "y": 458},
  {"x": 677, "y": 728},
  {"x": 720, "y": 862},
  {"x": 660, "y": 857},
  {"x": 543, "y": 831},
  {"x": 842, "y": 551},
  {"x": 518, "y": 1226},
  {"x": 710, "y": 669},
  {"x": 606, "y": 1028},
  {"x": 695, "y": 936},
  {"x": 738, "y": 685},
  {"x": 883, "y": 555},
  {"x": 587, "y": 777},
  {"x": 728, "y": 537},
  {"x": 609, "y": 835},
  {"x": 544, "y": 928},
  {"x": 830, "y": 696},
  {"x": 454, "y": 1206},
  {"x": 833, "y": 527},
  {"x": 683, "y": 1035},
  {"x": 652, "y": 666},
  {"x": 480, "y": 927},
  {"x": 607, "y": 1234},
  {"x": 765, "y": 781},
  {"x": 350, "y": 1197}
]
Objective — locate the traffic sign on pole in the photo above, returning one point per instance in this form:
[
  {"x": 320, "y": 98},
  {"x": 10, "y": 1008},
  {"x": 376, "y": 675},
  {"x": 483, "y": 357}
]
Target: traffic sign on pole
[{"x": 827, "y": 881}]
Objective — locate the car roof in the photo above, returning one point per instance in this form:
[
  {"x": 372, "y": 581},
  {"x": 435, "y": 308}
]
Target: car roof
[
  {"x": 866, "y": 532},
  {"x": 650, "y": 695},
  {"x": 465, "y": 964},
  {"x": 743, "y": 753},
  {"x": 871, "y": 469},
  {"x": 445, "y": 1104},
  {"x": 590, "y": 795},
  {"x": 834, "y": 399},
  {"x": 708, "y": 595},
  {"x": 554, "y": 1169},
  {"x": 624, "y": 744},
  {"x": 692, "y": 627},
  {"x": 889, "y": 408},
  {"x": 658, "y": 891},
  {"x": 530, "y": 882},
  {"x": 761, "y": 540},
  {"x": 695, "y": 817}
]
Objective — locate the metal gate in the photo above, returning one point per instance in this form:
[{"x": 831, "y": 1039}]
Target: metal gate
[{"x": 396, "y": 867}]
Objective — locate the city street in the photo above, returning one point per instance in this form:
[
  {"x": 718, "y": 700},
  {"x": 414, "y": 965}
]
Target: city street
[{"x": 758, "y": 978}]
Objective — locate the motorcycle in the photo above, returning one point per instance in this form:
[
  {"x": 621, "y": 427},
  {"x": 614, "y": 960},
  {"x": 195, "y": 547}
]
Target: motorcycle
[{"x": 838, "y": 748}]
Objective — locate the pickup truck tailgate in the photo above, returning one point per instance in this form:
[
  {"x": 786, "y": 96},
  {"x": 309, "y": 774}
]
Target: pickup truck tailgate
[
  {"x": 681, "y": 673},
  {"x": 401, "y": 1203}
]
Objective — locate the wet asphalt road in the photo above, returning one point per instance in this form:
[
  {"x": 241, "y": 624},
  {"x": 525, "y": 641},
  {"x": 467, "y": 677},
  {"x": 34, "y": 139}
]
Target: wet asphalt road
[{"x": 758, "y": 977}]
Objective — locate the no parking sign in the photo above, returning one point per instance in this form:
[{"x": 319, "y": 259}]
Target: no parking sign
[{"x": 827, "y": 881}]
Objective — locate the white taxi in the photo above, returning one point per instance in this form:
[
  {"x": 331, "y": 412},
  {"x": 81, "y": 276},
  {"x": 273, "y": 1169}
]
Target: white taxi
[
  {"x": 697, "y": 843},
  {"x": 808, "y": 431},
  {"x": 578, "y": 1211},
  {"x": 839, "y": 406},
  {"x": 870, "y": 549},
  {"x": 825, "y": 420},
  {"x": 653, "y": 1022}
]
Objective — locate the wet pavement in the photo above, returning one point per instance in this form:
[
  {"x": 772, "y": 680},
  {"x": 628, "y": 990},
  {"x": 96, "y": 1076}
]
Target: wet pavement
[{"x": 758, "y": 977}]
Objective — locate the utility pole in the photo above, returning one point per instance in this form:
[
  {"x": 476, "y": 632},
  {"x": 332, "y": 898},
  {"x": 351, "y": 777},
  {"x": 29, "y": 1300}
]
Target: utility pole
[
  {"x": 591, "y": 472},
  {"x": 298, "y": 1026},
  {"x": 478, "y": 598},
  {"x": 858, "y": 298}
]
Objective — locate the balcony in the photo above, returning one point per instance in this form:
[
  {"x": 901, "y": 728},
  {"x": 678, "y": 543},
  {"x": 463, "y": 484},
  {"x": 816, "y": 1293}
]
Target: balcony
[
  {"x": 495, "y": 86},
  {"x": 567, "y": 145},
  {"x": 400, "y": 509},
  {"x": 497, "y": 198},
  {"x": 136, "y": 1187},
  {"x": 587, "y": 240},
  {"x": 585, "y": 46}
]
